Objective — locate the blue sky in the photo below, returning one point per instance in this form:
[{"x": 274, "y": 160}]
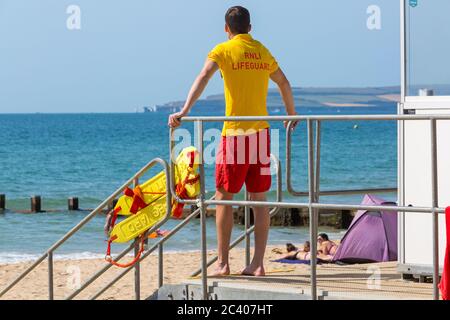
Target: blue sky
[{"x": 134, "y": 53}]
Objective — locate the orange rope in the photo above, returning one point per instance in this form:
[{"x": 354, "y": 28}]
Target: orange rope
[{"x": 132, "y": 262}]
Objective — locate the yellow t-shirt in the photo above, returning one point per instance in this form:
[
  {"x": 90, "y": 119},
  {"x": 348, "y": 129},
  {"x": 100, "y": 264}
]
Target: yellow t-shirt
[{"x": 245, "y": 65}]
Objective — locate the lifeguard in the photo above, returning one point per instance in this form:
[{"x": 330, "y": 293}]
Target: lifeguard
[{"x": 246, "y": 66}]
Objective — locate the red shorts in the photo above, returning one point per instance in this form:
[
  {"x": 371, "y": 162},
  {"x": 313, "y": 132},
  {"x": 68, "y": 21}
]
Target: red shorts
[{"x": 244, "y": 159}]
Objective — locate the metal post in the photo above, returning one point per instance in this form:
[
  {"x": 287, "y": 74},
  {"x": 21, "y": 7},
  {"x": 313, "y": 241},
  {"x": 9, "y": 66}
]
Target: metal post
[
  {"x": 312, "y": 218},
  {"x": 50, "y": 275},
  {"x": 137, "y": 266},
  {"x": 434, "y": 205},
  {"x": 202, "y": 211},
  {"x": 400, "y": 187},
  {"x": 403, "y": 52},
  {"x": 247, "y": 234},
  {"x": 316, "y": 193},
  {"x": 317, "y": 168},
  {"x": 160, "y": 265}
]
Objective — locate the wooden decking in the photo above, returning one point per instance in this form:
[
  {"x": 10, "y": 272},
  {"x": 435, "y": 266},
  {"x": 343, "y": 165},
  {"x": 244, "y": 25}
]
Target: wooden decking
[{"x": 363, "y": 281}]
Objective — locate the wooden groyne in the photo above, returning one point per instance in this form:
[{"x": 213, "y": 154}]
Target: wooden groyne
[
  {"x": 73, "y": 204},
  {"x": 292, "y": 217}
]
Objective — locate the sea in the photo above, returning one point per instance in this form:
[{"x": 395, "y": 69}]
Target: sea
[{"x": 88, "y": 156}]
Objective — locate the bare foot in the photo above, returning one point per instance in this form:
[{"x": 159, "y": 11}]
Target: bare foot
[
  {"x": 254, "y": 271},
  {"x": 221, "y": 270}
]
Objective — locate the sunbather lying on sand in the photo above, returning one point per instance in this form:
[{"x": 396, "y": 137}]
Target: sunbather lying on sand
[
  {"x": 294, "y": 253},
  {"x": 326, "y": 250}
]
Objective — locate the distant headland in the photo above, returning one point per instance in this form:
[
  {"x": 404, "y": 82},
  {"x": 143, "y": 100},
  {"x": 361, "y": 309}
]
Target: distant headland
[{"x": 307, "y": 97}]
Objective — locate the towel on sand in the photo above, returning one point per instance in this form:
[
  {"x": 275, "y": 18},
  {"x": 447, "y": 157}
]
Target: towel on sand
[{"x": 291, "y": 261}]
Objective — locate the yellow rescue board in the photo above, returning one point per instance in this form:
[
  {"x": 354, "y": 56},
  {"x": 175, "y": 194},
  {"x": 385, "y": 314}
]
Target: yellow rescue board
[
  {"x": 153, "y": 193},
  {"x": 135, "y": 225},
  {"x": 152, "y": 190}
]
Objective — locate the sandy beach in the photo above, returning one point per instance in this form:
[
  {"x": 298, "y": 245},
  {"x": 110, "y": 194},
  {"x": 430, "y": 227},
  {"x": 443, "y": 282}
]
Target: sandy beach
[
  {"x": 348, "y": 105},
  {"x": 177, "y": 268},
  {"x": 390, "y": 97}
]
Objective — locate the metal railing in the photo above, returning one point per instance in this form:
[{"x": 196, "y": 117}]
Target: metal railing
[
  {"x": 160, "y": 244},
  {"x": 49, "y": 253},
  {"x": 317, "y": 150},
  {"x": 313, "y": 204}
]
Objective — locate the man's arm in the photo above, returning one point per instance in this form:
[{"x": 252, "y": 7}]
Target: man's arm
[
  {"x": 285, "y": 90},
  {"x": 197, "y": 88}
]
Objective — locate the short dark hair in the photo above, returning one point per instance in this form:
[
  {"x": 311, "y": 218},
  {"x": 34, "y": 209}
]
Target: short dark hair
[
  {"x": 237, "y": 19},
  {"x": 324, "y": 236},
  {"x": 290, "y": 247}
]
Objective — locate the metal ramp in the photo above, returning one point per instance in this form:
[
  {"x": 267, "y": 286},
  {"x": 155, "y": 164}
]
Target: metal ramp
[{"x": 202, "y": 288}]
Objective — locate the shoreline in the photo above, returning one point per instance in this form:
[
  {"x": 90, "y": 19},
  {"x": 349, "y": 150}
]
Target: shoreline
[
  {"x": 78, "y": 256},
  {"x": 70, "y": 273},
  {"x": 347, "y": 105}
]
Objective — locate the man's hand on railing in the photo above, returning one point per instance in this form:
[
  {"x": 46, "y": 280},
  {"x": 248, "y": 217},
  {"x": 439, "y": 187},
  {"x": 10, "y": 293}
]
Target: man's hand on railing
[
  {"x": 174, "y": 119},
  {"x": 294, "y": 123}
]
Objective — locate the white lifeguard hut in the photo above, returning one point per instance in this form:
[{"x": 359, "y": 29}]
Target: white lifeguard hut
[{"x": 425, "y": 90}]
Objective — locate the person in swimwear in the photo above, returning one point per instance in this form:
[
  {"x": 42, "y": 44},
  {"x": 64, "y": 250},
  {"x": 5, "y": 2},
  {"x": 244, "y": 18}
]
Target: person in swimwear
[
  {"x": 326, "y": 247},
  {"x": 298, "y": 254}
]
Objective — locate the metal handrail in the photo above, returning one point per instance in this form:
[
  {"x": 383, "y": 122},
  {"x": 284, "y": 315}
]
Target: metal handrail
[
  {"x": 313, "y": 203},
  {"x": 331, "y": 206},
  {"x": 376, "y": 117},
  {"x": 314, "y": 190},
  {"x": 169, "y": 235},
  {"x": 290, "y": 188},
  {"x": 132, "y": 246},
  {"x": 75, "y": 229}
]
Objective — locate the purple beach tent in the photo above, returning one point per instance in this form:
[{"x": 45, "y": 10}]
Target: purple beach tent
[{"x": 371, "y": 237}]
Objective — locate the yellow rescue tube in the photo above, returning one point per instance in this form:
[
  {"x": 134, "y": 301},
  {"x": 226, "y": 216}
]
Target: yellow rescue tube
[
  {"x": 151, "y": 190},
  {"x": 137, "y": 224},
  {"x": 153, "y": 193}
]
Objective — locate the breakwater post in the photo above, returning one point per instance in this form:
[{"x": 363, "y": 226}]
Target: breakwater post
[
  {"x": 73, "y": 204},
  {"x": 339, "y": 219},
  {"x": 2, "y": 202},
  {"x": 36, "y": 204}
]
